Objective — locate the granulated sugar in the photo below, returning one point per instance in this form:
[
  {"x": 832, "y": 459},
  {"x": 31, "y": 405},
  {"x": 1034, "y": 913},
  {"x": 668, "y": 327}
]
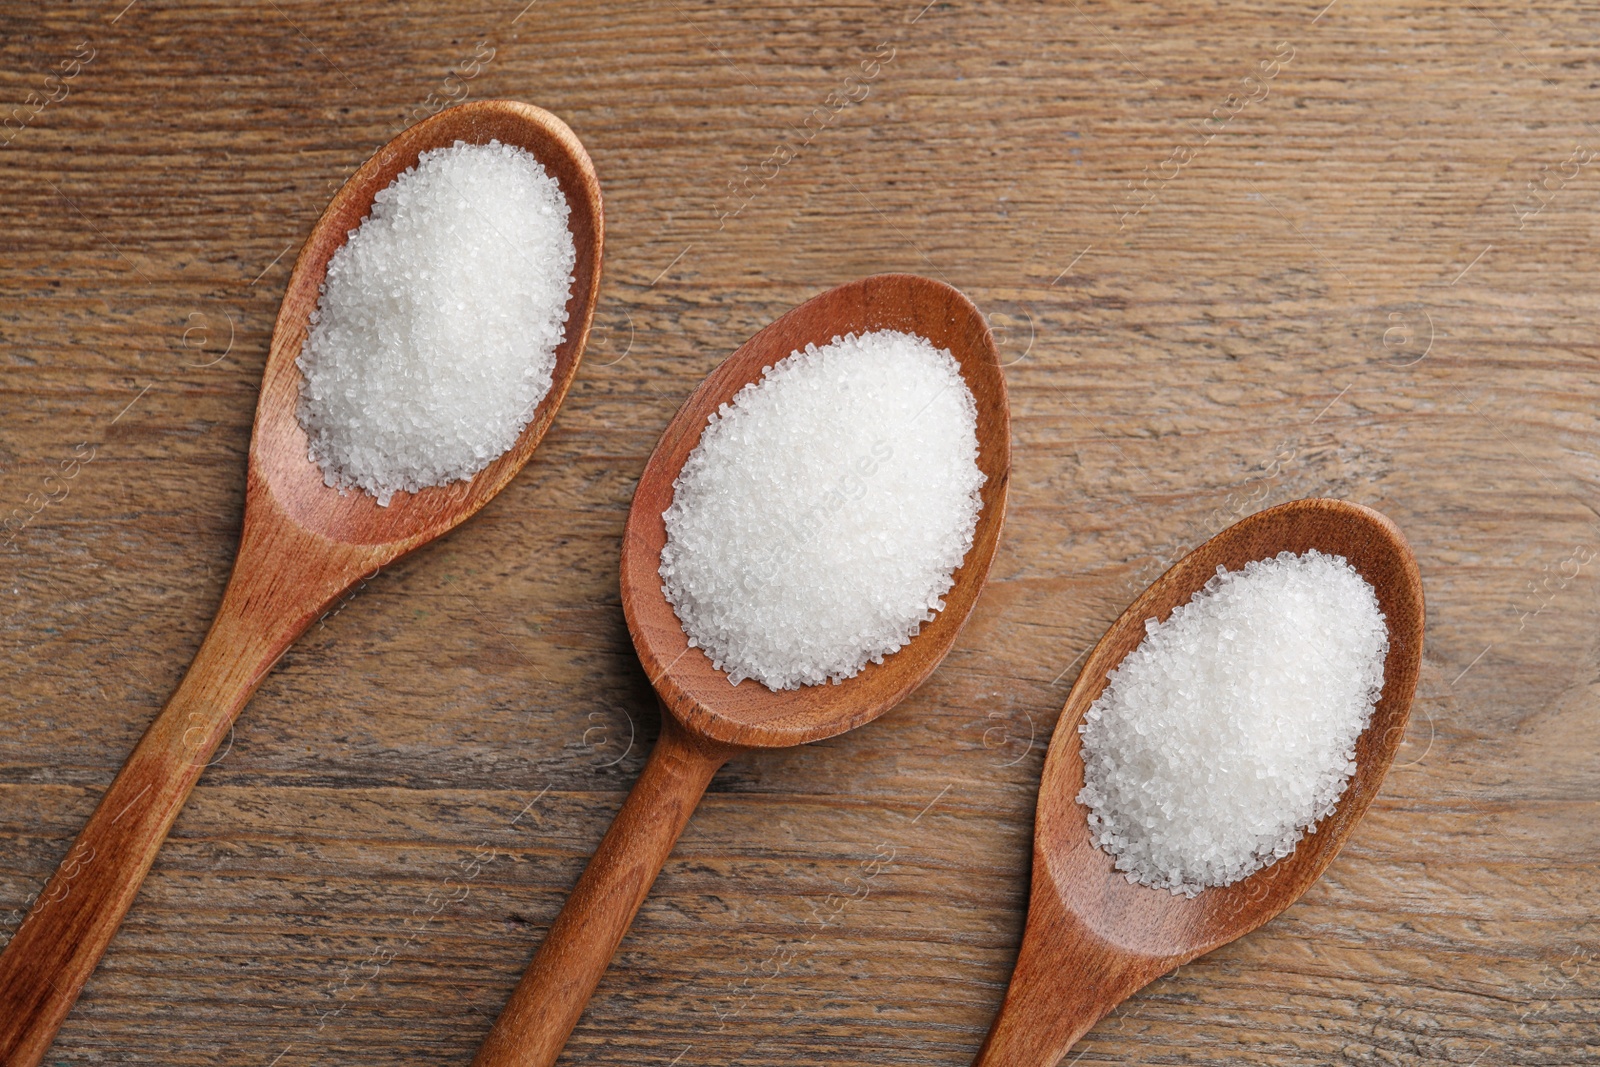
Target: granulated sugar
[
  {"x": 1231, "y": 729},
  {"x": 817, "y": 524},
  {"x": 434, "y": 339}
]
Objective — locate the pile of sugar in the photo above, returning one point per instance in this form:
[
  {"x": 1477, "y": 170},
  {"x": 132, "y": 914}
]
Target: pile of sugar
[
  {"x": 817, "y": 523},
  {"x": 1231, "y": 729},
  {"x": 434, "y": 339}
]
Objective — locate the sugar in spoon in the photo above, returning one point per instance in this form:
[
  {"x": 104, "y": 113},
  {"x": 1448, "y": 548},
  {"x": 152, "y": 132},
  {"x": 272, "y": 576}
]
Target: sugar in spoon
[
  {"x": 302, "y": 546},
  {"x": 704, "y": 720},
  {"x": 1092, "y": 938}
]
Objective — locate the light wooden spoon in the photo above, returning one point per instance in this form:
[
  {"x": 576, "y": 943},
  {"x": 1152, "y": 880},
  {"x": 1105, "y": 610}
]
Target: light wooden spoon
[
  {"x": 303, "y": 545},
  {"x": 1093, "y": 938},
  {"x": 704, "y": 719}
]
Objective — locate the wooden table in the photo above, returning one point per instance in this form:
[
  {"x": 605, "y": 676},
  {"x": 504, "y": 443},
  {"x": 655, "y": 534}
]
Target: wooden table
[{"x": 1240, "y": 253}]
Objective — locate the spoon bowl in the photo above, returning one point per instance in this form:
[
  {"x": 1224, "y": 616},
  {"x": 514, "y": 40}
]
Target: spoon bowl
[
  {"x": 279, "y": 446},
  {"x": 750, "y": 714},
  {"x": 303, "y": 545},
  {"x": 1093, "y": 938},
  {"x": 705, "y": 720}
]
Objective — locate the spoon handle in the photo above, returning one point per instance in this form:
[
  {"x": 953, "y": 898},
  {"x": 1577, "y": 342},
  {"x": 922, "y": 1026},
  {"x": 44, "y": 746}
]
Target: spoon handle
[
  {"x": 534, "y": 1025},
  {"x": 52, "y": 954},
  {"x": 1066, "y": 979}
]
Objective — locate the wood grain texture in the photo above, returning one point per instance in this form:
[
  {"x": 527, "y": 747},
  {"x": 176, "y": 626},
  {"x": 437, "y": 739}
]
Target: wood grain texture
[
  {"x": 1092, "y": 937},
  {"x": 1345, "y": 292}
]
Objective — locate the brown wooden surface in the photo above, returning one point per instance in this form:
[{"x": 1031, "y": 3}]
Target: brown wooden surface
[{"x": 1343, "y": 287}]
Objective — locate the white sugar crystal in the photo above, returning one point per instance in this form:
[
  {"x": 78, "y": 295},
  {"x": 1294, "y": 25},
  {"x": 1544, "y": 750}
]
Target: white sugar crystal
[
  {"x": 1231, "y": 729},
  {"x": 434, "y": 339},
  {"x": 818, "y": 522}
]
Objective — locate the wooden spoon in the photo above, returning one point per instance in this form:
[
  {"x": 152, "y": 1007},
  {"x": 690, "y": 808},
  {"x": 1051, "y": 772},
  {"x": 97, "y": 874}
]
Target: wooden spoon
[
  {"x": 704, "y": 719},
  {"x": 1093, "y": 938},
  {"x": 303, "y": 545}
]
